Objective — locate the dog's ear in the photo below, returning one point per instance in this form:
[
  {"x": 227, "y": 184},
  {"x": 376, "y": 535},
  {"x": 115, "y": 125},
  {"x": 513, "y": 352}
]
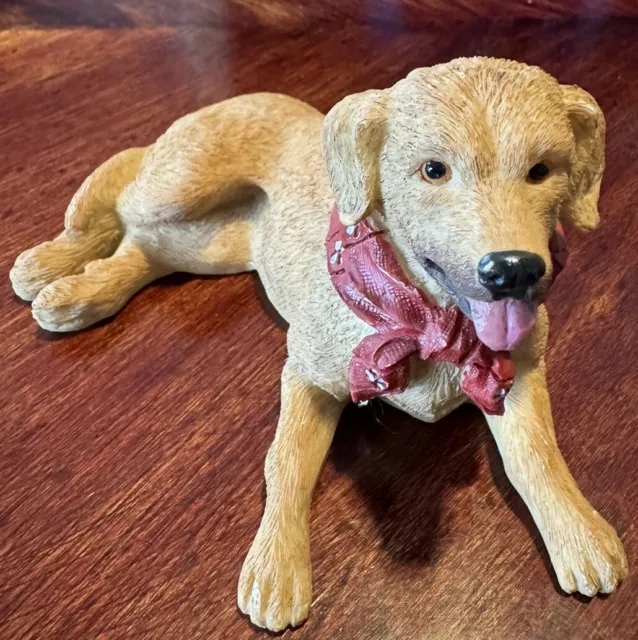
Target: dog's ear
[
  {"x": 353, "y": 134},
  {"x": 588, "y": 123}
]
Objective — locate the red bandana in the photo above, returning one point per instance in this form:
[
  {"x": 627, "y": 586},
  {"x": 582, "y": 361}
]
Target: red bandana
[
  {"x": 369, "y": 279},
  {"x": 365, "y": 271}
]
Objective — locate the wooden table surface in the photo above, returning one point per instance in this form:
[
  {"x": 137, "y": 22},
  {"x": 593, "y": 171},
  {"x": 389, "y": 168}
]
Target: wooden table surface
[{"x": 131, "y": 454}]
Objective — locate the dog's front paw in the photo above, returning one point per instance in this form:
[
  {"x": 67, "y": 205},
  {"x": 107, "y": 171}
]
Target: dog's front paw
[
  {"x": 275, "y": 583},
  {"x": 586, "y": 553}
]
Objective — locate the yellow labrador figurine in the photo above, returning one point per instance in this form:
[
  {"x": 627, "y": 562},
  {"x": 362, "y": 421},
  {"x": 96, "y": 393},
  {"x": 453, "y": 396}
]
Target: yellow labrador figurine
[{"x": 453, "y": 181}]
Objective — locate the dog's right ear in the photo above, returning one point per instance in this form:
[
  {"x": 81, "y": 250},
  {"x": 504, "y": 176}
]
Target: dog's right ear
[{"x": 353, "y": 134}]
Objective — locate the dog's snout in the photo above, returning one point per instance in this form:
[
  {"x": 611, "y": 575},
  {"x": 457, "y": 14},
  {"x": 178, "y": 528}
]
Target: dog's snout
[{"x": 510, "y": 273}]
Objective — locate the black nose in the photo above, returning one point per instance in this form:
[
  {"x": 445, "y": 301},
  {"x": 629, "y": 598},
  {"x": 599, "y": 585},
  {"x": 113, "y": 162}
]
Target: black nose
[{"x": 510, "y": 273}]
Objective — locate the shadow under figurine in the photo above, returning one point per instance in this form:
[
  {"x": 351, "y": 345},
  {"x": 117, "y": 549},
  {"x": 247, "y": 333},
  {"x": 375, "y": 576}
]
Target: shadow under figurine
[{"x": 408, "y": 238}]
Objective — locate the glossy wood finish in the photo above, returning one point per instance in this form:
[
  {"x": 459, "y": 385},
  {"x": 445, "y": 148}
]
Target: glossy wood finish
[
  {"x": 284, "y": 15},
  {"x": 131, "y": 458}
]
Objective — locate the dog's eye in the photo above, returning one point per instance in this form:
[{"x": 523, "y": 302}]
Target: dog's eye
[
  {"x": 538, "y": 172},
  {"x": 435, "y": 172}
]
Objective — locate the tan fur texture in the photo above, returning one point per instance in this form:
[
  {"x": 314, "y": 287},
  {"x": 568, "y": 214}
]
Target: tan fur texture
[{"x": 243, "y": 185}]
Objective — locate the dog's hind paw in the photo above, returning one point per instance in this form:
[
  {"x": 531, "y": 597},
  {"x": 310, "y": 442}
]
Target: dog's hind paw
[{"x": 275, "y": 583}]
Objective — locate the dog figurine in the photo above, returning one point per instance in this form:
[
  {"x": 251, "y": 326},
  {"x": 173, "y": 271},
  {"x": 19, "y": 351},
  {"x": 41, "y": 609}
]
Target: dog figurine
[{"x": 450, "y": 184}]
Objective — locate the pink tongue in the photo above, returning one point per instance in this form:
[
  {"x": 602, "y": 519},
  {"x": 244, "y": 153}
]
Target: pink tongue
[{"x": 503, "y": 325}]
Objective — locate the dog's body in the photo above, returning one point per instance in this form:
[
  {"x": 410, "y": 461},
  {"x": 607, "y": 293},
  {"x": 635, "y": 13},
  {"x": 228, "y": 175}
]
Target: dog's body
[{"x": 244, "y": 185}]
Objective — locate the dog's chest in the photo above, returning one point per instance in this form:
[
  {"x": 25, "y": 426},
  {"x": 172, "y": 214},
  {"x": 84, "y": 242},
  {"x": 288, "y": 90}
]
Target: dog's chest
[{"x": 434, "y": 391}]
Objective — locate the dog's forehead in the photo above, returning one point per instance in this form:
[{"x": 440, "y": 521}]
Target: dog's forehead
[
  {"x": 475, "y": 94},
  {"x": 479, "y": 79}
]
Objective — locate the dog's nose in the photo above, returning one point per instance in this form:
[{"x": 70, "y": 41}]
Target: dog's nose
[{"x": 510, "y": 273}]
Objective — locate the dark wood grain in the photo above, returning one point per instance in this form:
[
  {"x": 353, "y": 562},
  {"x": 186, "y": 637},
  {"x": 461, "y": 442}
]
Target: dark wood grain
[
  {"x": 131, "y": 457},
  {"x": 283, "y": 15}
]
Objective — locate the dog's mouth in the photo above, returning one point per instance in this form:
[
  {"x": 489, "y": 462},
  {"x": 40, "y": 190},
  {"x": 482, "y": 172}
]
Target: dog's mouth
[{"x": 500, "y": 324}]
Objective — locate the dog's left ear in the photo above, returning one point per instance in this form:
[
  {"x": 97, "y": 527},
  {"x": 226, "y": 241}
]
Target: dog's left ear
[
  {"x": 588, "y": 123},
  {"x": 353, "y": 134}
]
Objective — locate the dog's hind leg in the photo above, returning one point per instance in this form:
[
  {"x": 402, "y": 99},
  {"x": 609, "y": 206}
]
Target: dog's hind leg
[
  {"x": 78, "y": 301},
  {"x": 92, "y": 228}
]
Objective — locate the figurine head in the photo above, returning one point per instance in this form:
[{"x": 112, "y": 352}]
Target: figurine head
[{"x": 470, "y": 166}]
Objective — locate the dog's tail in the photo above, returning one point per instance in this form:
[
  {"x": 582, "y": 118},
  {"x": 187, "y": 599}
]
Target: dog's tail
[{"x": 92, "y": 228}]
